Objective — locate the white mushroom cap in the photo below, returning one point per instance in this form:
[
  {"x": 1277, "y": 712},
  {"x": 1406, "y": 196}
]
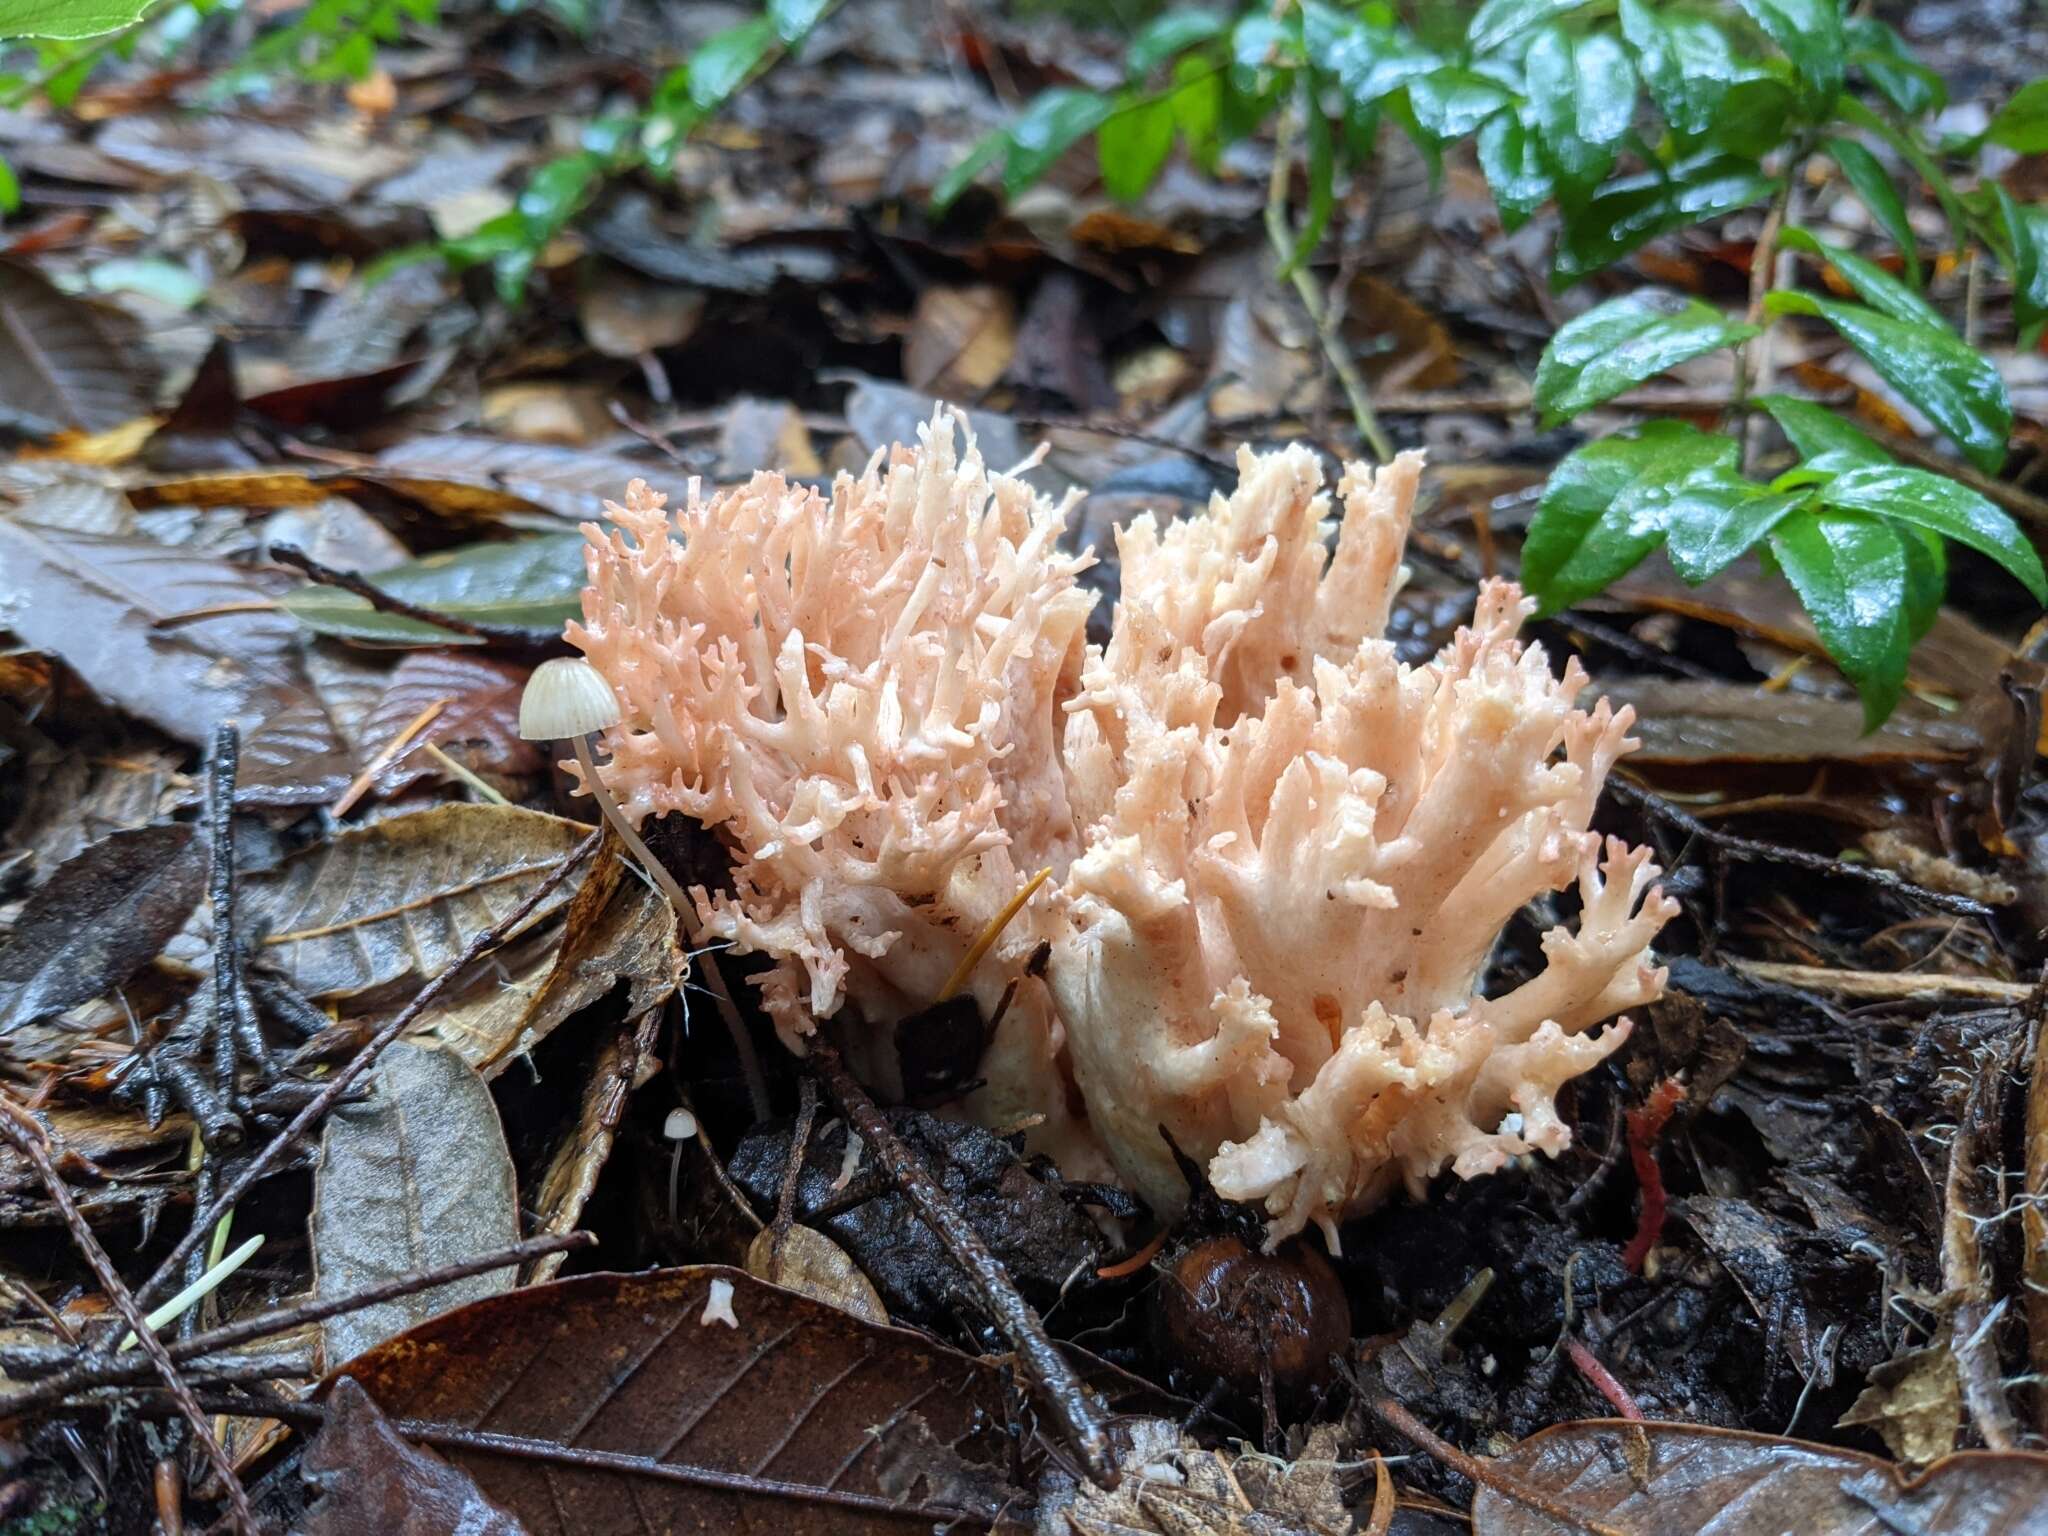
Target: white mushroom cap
[{"x": 566, "y": 697}]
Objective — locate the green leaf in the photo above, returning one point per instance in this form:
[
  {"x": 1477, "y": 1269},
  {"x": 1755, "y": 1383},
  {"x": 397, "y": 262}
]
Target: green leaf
[
  {"x": 1132, "y": 145},
  {"x": 1716, "y": 518},
  {"x": 722, "y": 65},
  {"x": 1810, "y": 33},
  {"x": 1197, "y": 103},
  {"x": 1515, "y": 168},
  {"x": 1938, "y": 504},
  {"x": 1497, "y": 21},
  {"x": 993, "y": 146},
  {"x": 1926, "y": 579},
  {"x": 1850, "y": 110},
  {"x": 1882, "y": 55},
  {"x": 553, "y": 193},
  {"x": 68, "y": 19},
  {"x": 2026, "y": 232},
  {"x": 1047, "y": 129},
  {"x": 1851, "y": 573},
  {"x": 793, "y": 19},
  {"x": 1951, "y": 382},
  {"x": 1686, "y": 61},
  {"x": 10, "y": 189},
  {"x": 1262, "y": 41},
  {"x": 1168, "y": 35},
  {"x": 533, "y": 584},
  {"x": 1582, "y": 95},
  {"x": 1874, "y": 186},
  {"x": 1603, "y": 508},
  {"x": 1371, "y": 62},
  {"x": 1631, "y": 210},
  {"x": 2022, "y": 123},
  {"x": 1616, "y": 345},
  {"x": 1815, "y": 430},
  {"x": 1875, "y": 286},
  {"x": 1451, "y": 103}
]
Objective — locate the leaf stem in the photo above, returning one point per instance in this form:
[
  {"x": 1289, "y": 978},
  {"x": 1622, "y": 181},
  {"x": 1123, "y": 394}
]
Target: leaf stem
[
  {"x": 1311, "y": 295},
  {"x": 1763, "y": 276}
]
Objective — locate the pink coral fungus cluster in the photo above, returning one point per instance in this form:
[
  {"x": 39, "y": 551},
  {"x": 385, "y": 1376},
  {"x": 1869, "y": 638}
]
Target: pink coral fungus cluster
[{"x": 1280, "y": 857}]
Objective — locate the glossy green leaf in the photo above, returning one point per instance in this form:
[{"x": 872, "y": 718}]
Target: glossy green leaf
[
  {"x": 1197, "y": 103},
  {"x": 2022, "y": 123},
  {"x": 1261, "y": 40},
  {"x": 553, "y": 193},
  {"x": 1753, "y": 119},
  {"x": 1169, "y": 35},
  {"x": 1603, "y": 507},
  {"x": 1516, "y": 171},
  {"x": 1373, "y": 61},
  {"x": 1617, "y": 345},
  {"x": 1875, "y": 286},
  {"x": 1810, "y": 33},
  {"x": 1951, "y": 382},
  {"x": 1909, "y": 149},
  {"x": 68, "y": 19},
  {"x": 1715, "y": 519},
  {"x": 531, "y": 584},
  {"x": 793, "y": 19},
  {"x": 1851, "y": 573},
  {"x": 1815, "y": 430},
  {"x": 1498, "y": 21},
  {"x": 723, "y": 62},
  {"x": 1132, "y": 145},
  {"x": 1686, "y": 61},
  {"x": 1582, "y": 98},
  {"x": 1450, "y": 102},
  {"x": 1940, "y": 505},
  {"x": 1881, "y": 54},
  {"x": 1926, "y": 579},
  {"x": 10, "y": 189},
  {"x": 1631, "y": 210},
  {"x": 1874, "y": 187},
  {"x": 2026, "y": 232},
  {"x": 1047, "y": 129},
  {"x": 991, "y": 148}
]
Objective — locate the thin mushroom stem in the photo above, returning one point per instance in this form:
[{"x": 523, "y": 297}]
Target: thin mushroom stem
[{"x": 686, "y": 915}]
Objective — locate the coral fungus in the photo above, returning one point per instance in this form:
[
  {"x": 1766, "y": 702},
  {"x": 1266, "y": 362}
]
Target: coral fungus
[{"x": 1281, "y": 858}]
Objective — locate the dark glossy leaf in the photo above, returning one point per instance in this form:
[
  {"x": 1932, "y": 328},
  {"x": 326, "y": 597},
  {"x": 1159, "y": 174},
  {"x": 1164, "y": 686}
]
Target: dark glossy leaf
[
  {"x": 62, "y": 362},
  {"x": 1515, "y": 168},
  {"x": 1875, "y": 286},
  {"x": 1909, "y": 149},
  {"x": 1450, "y": 102},
  {"x": 1617, "y": 345},
  {"x": 1957, "y": 387},
  {"x": 2022, "y": 123},
  {"x": 1497, "y": 21},
  {"x": 97, "y": 919},
  {"x": 1876, "y": 48},
  {"x": 396, "y": 900},
  {"x": 1716, "y": 519},
  {"x": 1938, "y": 504},
  {"x": 1686, "y": 61},
  {"x": 529, "y": 584},
  {"x": 415, "y": 1177},
  {"x": 1850, "y": 571},
  {"x": 1752, "y": 120},
  {"x": 1133, "y": 143},
  {"x": 1170, "y": 34},
  {"x": 1874, "y": 186},
  {"x": 1047, "y": 129},
  {"x": 1815, "y": 430},
  {"x": 1582, "y": 97},
  {"x": 1810, "y": 33},
  {"x": 723, "y": 62},
  {"x": 1651, "y": 1479},
  {"x": 2026, "y": 232},
  {"x": 1926, "y": 579},
  {"x": 1631, "y": 210}
]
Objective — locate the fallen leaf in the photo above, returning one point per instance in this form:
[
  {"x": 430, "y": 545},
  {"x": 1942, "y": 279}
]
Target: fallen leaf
[
  {"x": 480, "y": 724},
  {"x": 805, "y": 1260},
  {"x": 533, "y": 585},
  {"x": 1762, "y": 1486},
  {"x": 100, "y": 916},
  {"x": 1686, "y": 723},
  {"x": 624, "y": 1063},
  {"x": 397, "y": 900},
  {"x": 1914, "y": 1401},
  {"x": 960, "y": 341},
  {"x": 371, "y": 1480},
  {"x": 61, "y": 362},
  {"x": 412, "y": 1179}
]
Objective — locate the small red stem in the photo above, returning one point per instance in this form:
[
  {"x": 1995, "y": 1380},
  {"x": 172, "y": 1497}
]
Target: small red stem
[
  {"x": 1645, "y": 1125},
  {"x": 1602, "y": 1379}
]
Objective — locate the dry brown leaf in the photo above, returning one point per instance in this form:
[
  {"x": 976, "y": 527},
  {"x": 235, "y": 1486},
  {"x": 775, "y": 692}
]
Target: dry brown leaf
[
  {"x": 961, "y": 340},
  {"x": 624, "y": 1064},
  {"x": 803, "y": 1259},
  {"x": 1913, "y": 1401}
]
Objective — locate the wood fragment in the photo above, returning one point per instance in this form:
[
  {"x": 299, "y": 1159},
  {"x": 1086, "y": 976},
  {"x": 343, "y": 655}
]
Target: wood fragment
[{"x": 1887, "y": 986}]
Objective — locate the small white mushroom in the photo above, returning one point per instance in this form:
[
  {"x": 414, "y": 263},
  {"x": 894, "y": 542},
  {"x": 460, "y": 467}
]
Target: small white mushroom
[{"x": 718, "y": 1306}]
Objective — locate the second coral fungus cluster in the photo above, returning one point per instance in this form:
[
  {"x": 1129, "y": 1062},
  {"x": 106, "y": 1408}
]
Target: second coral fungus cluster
[{"x": 1280, "y": 857}]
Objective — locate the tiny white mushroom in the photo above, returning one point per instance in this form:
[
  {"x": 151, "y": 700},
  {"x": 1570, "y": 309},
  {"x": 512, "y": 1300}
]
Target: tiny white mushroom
[{"x": 718, "y": 1307}]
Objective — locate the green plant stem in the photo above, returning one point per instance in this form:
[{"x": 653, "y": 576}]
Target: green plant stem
[
  {"x": 1763, "y": 262},
  {"x": 1311, "y": 295}
]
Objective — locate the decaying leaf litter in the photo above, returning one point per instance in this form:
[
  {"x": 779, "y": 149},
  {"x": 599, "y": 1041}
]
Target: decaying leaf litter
[{"x": 320, "y": 986}]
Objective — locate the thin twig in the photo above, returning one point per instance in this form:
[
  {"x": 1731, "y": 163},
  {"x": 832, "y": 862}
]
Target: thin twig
[
  {"x": 1478, "y": 1470},
  {"x": 117, "y": 1370},
  {"x": 1887, "y": 986},
  {"x": 1310, "y": 292},
  {"x": 1062, "y": 1393},
  {"x": 398, "y": 607},
  {"x": 28, "y": 1134},
  {"x": 366, "y": 1057}
]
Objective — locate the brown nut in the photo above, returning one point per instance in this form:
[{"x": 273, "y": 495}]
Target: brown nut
[{"x": 1226, "y": 1310}]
